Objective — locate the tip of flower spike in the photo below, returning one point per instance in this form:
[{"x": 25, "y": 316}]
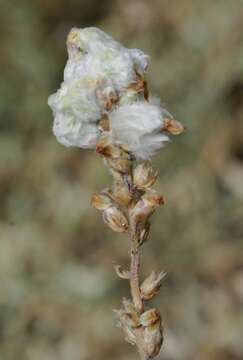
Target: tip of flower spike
[
  {"x": 74, "y": 43},
  {"x": 73, "y": 35}
]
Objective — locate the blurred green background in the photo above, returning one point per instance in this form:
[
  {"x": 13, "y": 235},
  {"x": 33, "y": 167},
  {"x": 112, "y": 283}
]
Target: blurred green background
[{"x": 57, "y": 284}]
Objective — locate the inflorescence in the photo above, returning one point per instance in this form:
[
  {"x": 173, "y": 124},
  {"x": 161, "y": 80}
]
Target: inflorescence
[{"x": 104, "y": 104}]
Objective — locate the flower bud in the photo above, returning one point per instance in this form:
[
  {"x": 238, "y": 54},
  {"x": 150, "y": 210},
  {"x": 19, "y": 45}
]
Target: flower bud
[
  {"x": 146, "y": 206},
  {"x": 115, "y": 219},
  {"x": 149, "y": 317},
  {"x": 144, "y": 176},
  {"x": 121, "y": 194},
  {"x": 153, "y": 338},
  {"x": 100, "y": 201},
  {"x": 172, "y": 126},
  {"x": 151, "y": 285}
]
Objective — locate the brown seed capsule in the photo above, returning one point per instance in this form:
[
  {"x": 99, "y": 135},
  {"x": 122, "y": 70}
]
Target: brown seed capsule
[
  {"x": 151, "y": 285},
  {"x": 149, "y": 317},
  {"x": 172, "y": 126},
  {"x": 146, "y": 206},
  {"x": 129, "y": 320},
  {"x": 115, "y": 219},
  {"x": 116, "y": 158},
  {"x": 104, "y": 123},
  {"x": 153, "y": 338},
  {"x": 105, "y": 147},
  {"x": 128, "y": 315},
  {"x": 101, "y": 201},
  {"x": 130, "y": 310},
  {"x": 140, "y": 86},
  {"x": 144, "y": 176},
  {"x": 121, "y": 193}
]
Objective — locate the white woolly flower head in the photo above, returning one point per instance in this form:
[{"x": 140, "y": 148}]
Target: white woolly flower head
[
  {"x": 139, "y": 127},
  {"x": 76, "y": 112},
  {"x": 96, "y": 63},
  {"x": 103, "y": 79},
  {"x": 105, "y": 57}
]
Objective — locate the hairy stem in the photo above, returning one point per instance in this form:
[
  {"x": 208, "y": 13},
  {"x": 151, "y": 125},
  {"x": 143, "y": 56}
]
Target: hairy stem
[
  {"x": 134, "y": 269},
  {"x": 140, "y": 345},
  {"x": 134, "y": 284}
]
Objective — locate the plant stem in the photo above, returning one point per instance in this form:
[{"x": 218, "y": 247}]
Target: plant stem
[
  {"x": 134, "y": 269},
  {"x": 126, "y": 196},
  {"x": 134, "y": 285}
]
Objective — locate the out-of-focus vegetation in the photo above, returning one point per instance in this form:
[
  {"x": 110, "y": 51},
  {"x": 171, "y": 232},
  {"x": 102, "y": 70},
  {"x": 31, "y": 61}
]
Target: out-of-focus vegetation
[{"x": 57, "y": 284}]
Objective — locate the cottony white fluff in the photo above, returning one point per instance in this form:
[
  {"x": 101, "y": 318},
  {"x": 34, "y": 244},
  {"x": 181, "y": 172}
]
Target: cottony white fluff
[
  {"x": 76, "y": 111},
  {"x": 139, "y": 127},
  {"x": 96, "y": 63}
]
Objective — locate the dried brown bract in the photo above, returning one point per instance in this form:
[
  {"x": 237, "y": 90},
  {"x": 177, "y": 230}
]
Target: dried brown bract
[
  {"x": 152, "y": 284},
  {"x": 144, "y": 175},
  {"x": 115, "y": 219},
  {"x": 101, "y": 201}
]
